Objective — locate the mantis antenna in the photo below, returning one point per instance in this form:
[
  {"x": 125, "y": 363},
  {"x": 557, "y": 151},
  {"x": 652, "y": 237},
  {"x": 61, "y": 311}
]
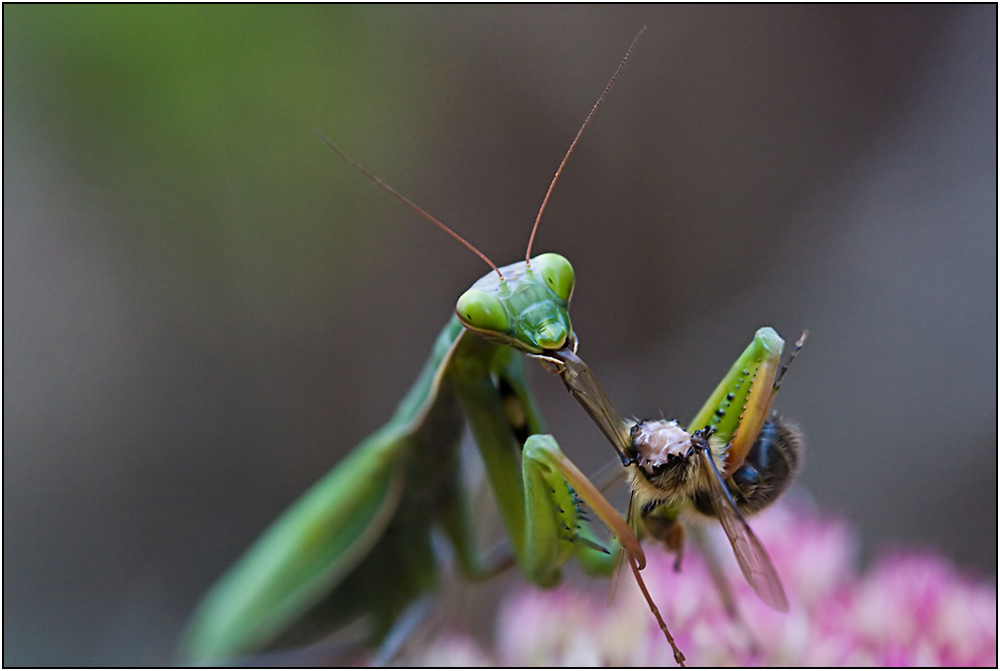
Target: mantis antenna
[
  {"x": 426, "y": 215},
  {"x": 545, "y": 201},
  {"x": 406, "y": 201}
]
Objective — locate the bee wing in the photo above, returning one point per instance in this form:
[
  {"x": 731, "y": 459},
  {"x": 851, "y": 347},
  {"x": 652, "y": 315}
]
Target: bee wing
[
  {"x": 609, "y": 475},
  {"x": 621, "y": 562},
  {"x": 750, "y": 554}
]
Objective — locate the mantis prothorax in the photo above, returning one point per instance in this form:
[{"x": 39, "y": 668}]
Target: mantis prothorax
[{"x": 358, "y": 544}]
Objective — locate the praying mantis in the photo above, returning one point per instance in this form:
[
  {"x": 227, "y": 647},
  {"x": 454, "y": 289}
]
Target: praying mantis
[{"x": 357, "y": 547}]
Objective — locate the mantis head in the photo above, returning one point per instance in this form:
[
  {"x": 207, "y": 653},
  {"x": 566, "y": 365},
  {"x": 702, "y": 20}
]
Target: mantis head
[{"x": 527, "y": 308}]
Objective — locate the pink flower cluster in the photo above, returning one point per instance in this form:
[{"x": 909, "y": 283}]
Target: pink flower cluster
[{"x": 906, "y": 610}]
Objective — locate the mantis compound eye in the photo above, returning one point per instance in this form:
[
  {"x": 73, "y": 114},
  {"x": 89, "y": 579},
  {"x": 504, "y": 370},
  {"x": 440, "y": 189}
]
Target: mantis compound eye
[
  {"x": 482, "y": 311},
  {"x": 557, "y": 273}
]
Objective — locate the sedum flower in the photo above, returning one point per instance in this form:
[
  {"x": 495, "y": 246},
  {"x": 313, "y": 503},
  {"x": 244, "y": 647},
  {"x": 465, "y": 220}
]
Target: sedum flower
[{"x": 906, "y": 610}]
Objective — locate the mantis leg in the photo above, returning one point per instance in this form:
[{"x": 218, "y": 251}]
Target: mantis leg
[
  {"x": 555, "y": 526},
  {"x": 537, "y": 488},
  {"x": 742, "y": 401},
  {"x": 414, "y": 615}
]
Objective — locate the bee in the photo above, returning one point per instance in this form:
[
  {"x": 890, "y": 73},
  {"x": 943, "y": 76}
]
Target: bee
[
  {"x": 738, "y": 461},
  {"x": 676, "y": 471},
  {"x": 671, "y": 471},
  {"x": 667, "y": 471}
]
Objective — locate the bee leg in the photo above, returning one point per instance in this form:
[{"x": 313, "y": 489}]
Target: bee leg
[
  {"x": 704, "y": 544},
  {"x": 670, "y": 532},
  {"x": 714, "y": 564}
]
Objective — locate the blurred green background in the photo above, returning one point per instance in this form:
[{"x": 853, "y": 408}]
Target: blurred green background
[{"x": 204, "y": 308}]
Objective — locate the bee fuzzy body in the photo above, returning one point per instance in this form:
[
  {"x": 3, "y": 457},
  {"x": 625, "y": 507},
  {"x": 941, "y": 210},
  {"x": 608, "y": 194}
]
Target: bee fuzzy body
[
  {"x": 666, "y": 470},
  {"x": 769, "y": 467}
]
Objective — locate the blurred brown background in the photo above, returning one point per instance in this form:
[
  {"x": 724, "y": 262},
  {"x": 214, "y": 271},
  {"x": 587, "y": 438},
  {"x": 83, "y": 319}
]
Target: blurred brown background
[{"x": 204, "y": 309}]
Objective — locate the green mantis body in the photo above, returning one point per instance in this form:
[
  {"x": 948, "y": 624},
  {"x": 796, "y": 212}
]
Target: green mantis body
[
  {"x": 357, "y": 547},
  {"x": 359, "y": 542}
]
